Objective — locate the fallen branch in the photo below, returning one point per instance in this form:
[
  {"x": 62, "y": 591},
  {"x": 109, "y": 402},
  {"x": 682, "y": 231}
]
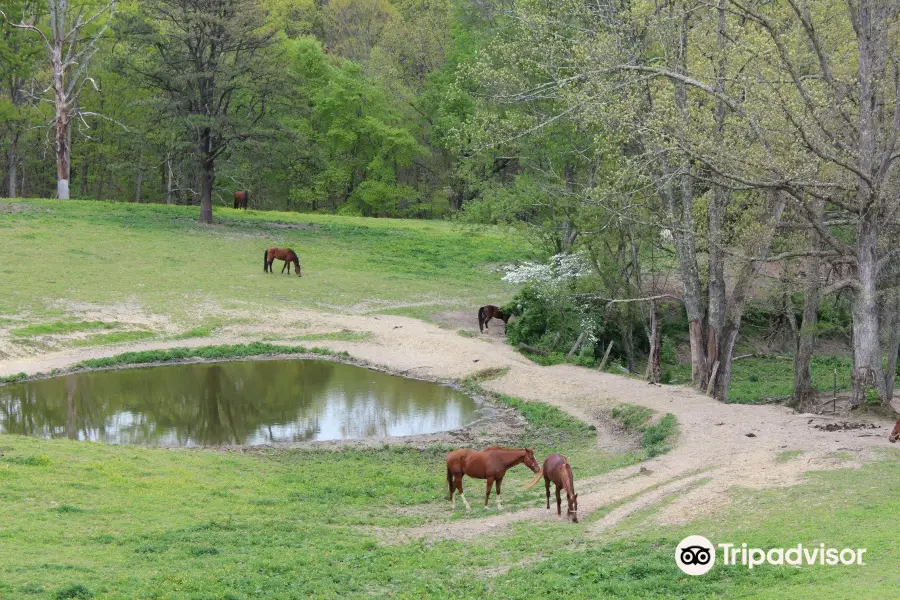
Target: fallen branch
[
  {"x": 606, "y": 355},
  {"x": 762, "y": 355},
  {"x": 576, "y": 346},
  {"x": 531, "y": 349}
]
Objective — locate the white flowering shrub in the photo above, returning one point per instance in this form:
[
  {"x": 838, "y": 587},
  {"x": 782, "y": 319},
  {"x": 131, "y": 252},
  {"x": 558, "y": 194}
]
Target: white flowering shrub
[
  {"x": 562, "y": 269},
  {"x": 548, "y": 315}
]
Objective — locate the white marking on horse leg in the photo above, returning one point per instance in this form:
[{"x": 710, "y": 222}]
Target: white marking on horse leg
[
  {"x": 463, "y": 496},
  {"x": 499, "y": 504}
]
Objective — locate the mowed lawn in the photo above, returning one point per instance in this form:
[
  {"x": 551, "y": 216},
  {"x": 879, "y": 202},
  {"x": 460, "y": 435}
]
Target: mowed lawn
[{"x": 159, "y": 258}]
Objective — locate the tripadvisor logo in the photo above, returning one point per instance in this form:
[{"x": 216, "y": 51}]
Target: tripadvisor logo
[{"x": 696, "y": 555}]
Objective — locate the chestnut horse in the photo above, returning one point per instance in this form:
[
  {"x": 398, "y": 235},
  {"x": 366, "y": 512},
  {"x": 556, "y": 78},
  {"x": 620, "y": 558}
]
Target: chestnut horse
[
  {"x": 491, "y": 464},
  {"x": 895, "y": 434},
  {"x": 241, "y": 199},
  {"x": 285, "y": 254},
  {"x": 556, "y": 469},
  {"x": 488, "y": 312}
]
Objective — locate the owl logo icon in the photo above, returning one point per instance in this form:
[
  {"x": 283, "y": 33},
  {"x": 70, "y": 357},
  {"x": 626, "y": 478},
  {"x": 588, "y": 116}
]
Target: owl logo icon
[{"x": 695, "y": 555}]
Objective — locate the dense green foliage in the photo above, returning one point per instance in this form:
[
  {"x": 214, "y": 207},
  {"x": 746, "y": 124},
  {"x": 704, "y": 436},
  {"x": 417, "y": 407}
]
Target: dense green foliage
[{"x": 318, "y": 106}]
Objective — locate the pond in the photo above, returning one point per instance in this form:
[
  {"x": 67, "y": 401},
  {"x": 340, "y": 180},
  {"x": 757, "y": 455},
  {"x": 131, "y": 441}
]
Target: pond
[{"x": 241, "y": 402}]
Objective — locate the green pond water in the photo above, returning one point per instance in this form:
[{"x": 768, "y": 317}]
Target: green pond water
[{"x": 243, "y": 402}]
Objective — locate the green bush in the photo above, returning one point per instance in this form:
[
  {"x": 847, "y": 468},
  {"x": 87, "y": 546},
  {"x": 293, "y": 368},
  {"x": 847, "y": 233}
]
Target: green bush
[{"x": 667, "y": 354}]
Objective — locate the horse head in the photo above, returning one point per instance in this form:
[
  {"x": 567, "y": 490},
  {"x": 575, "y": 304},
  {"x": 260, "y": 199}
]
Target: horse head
[
  {"x": 530, "y": 461},
  {"x": 895, "y": 434},
  {"x": 573, "y": 507}
]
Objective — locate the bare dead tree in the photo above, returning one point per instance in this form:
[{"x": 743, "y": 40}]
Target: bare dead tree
[{"x": 71, "y": 42}]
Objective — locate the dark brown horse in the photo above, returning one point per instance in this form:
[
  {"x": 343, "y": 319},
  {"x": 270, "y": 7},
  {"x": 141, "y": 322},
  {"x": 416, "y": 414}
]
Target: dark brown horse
[
  {"x": 556, "y": 469},
  {"x": 895, "y": 434},
  {"x": 241, "y": 199},
  {"x": 488, "y": 312},
  {"x": 285, "y": 254},
  {"x": 491, "y": 464}
]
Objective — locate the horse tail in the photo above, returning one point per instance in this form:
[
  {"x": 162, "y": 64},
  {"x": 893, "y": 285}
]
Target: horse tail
[
  {"x": 481, "y": 319},
  {"x": 265, "y": 259},
  {"x": 534, "y": 481},
  {"x": 449, "y": 479}
]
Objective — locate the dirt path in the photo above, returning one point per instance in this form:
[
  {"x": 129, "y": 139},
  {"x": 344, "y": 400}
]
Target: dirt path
[{"x": 720, "y": 446}]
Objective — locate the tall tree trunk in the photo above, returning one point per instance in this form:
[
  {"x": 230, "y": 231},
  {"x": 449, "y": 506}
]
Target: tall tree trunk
[
  {"x": 867, "y": 370},
  {"x": 206, "y": 185},
  {"x": 746, "y": 277},
  {"x": 140, "y": 174},
  {"x": 683, "y": 229},
  {"x": 168, "y": 179},
  {"x": 83, "y": 180},
  {"x": 62, "y": 155},
  {"x": 654, "y": 366},
  {"x": 717, "y": 207},
  {"x": 207, "y": 176},
  {"x": 100, "y": 182},
  {"x": 12, "y": 158},
  {"x": 804, "y": 394},
  {"x": 890, "y": 319},
  {"x": 627, "y": 337},
  {"x": 15, "y": 131}
]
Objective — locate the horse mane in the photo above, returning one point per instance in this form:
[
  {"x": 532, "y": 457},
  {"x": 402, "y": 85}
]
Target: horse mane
[{"x": 568, "y": 480}]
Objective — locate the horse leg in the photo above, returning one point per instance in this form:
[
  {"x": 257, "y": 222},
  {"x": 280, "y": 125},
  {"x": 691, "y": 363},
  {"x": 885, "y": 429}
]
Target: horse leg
[
  {"x": 558, "y": 503},
  {"x": 499, "y": 504},
  {"x": 547, "y": 485},
  {"x": 487, "y": 495},
  {"x": 458, "y": 483},
  {"x": 286, "y": 266}
]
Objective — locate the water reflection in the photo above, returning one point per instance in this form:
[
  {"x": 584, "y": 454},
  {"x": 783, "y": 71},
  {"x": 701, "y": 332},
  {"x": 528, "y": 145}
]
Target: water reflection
[{"x": 251, "y": 402}]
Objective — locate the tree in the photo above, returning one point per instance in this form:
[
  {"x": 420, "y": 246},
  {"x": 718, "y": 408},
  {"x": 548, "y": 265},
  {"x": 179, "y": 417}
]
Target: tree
[
  {"x": 212, "y": 61},
  {"x": 70, "y": 45},
  {"x": 821, "y": 113},
  {"x": 19, "y": 55}
]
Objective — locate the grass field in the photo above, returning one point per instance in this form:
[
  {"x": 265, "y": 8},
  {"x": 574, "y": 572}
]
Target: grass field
[
  {"x": 87, "y": 520},
  {"x": 755, "y": 380},
  {"x": 160, "y": 259},
  {"x": 117, "y": 522}
]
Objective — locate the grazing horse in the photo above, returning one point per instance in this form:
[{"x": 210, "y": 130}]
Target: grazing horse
[
  {"x": 285, "y": 254},
  {"x": 241, "y": 199},
  {"x": 556, "y": 469},
  {"x": 895, "y": 434},
  {"x": 490, "y": 464},
  {"x": 488, "y": 312}
]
